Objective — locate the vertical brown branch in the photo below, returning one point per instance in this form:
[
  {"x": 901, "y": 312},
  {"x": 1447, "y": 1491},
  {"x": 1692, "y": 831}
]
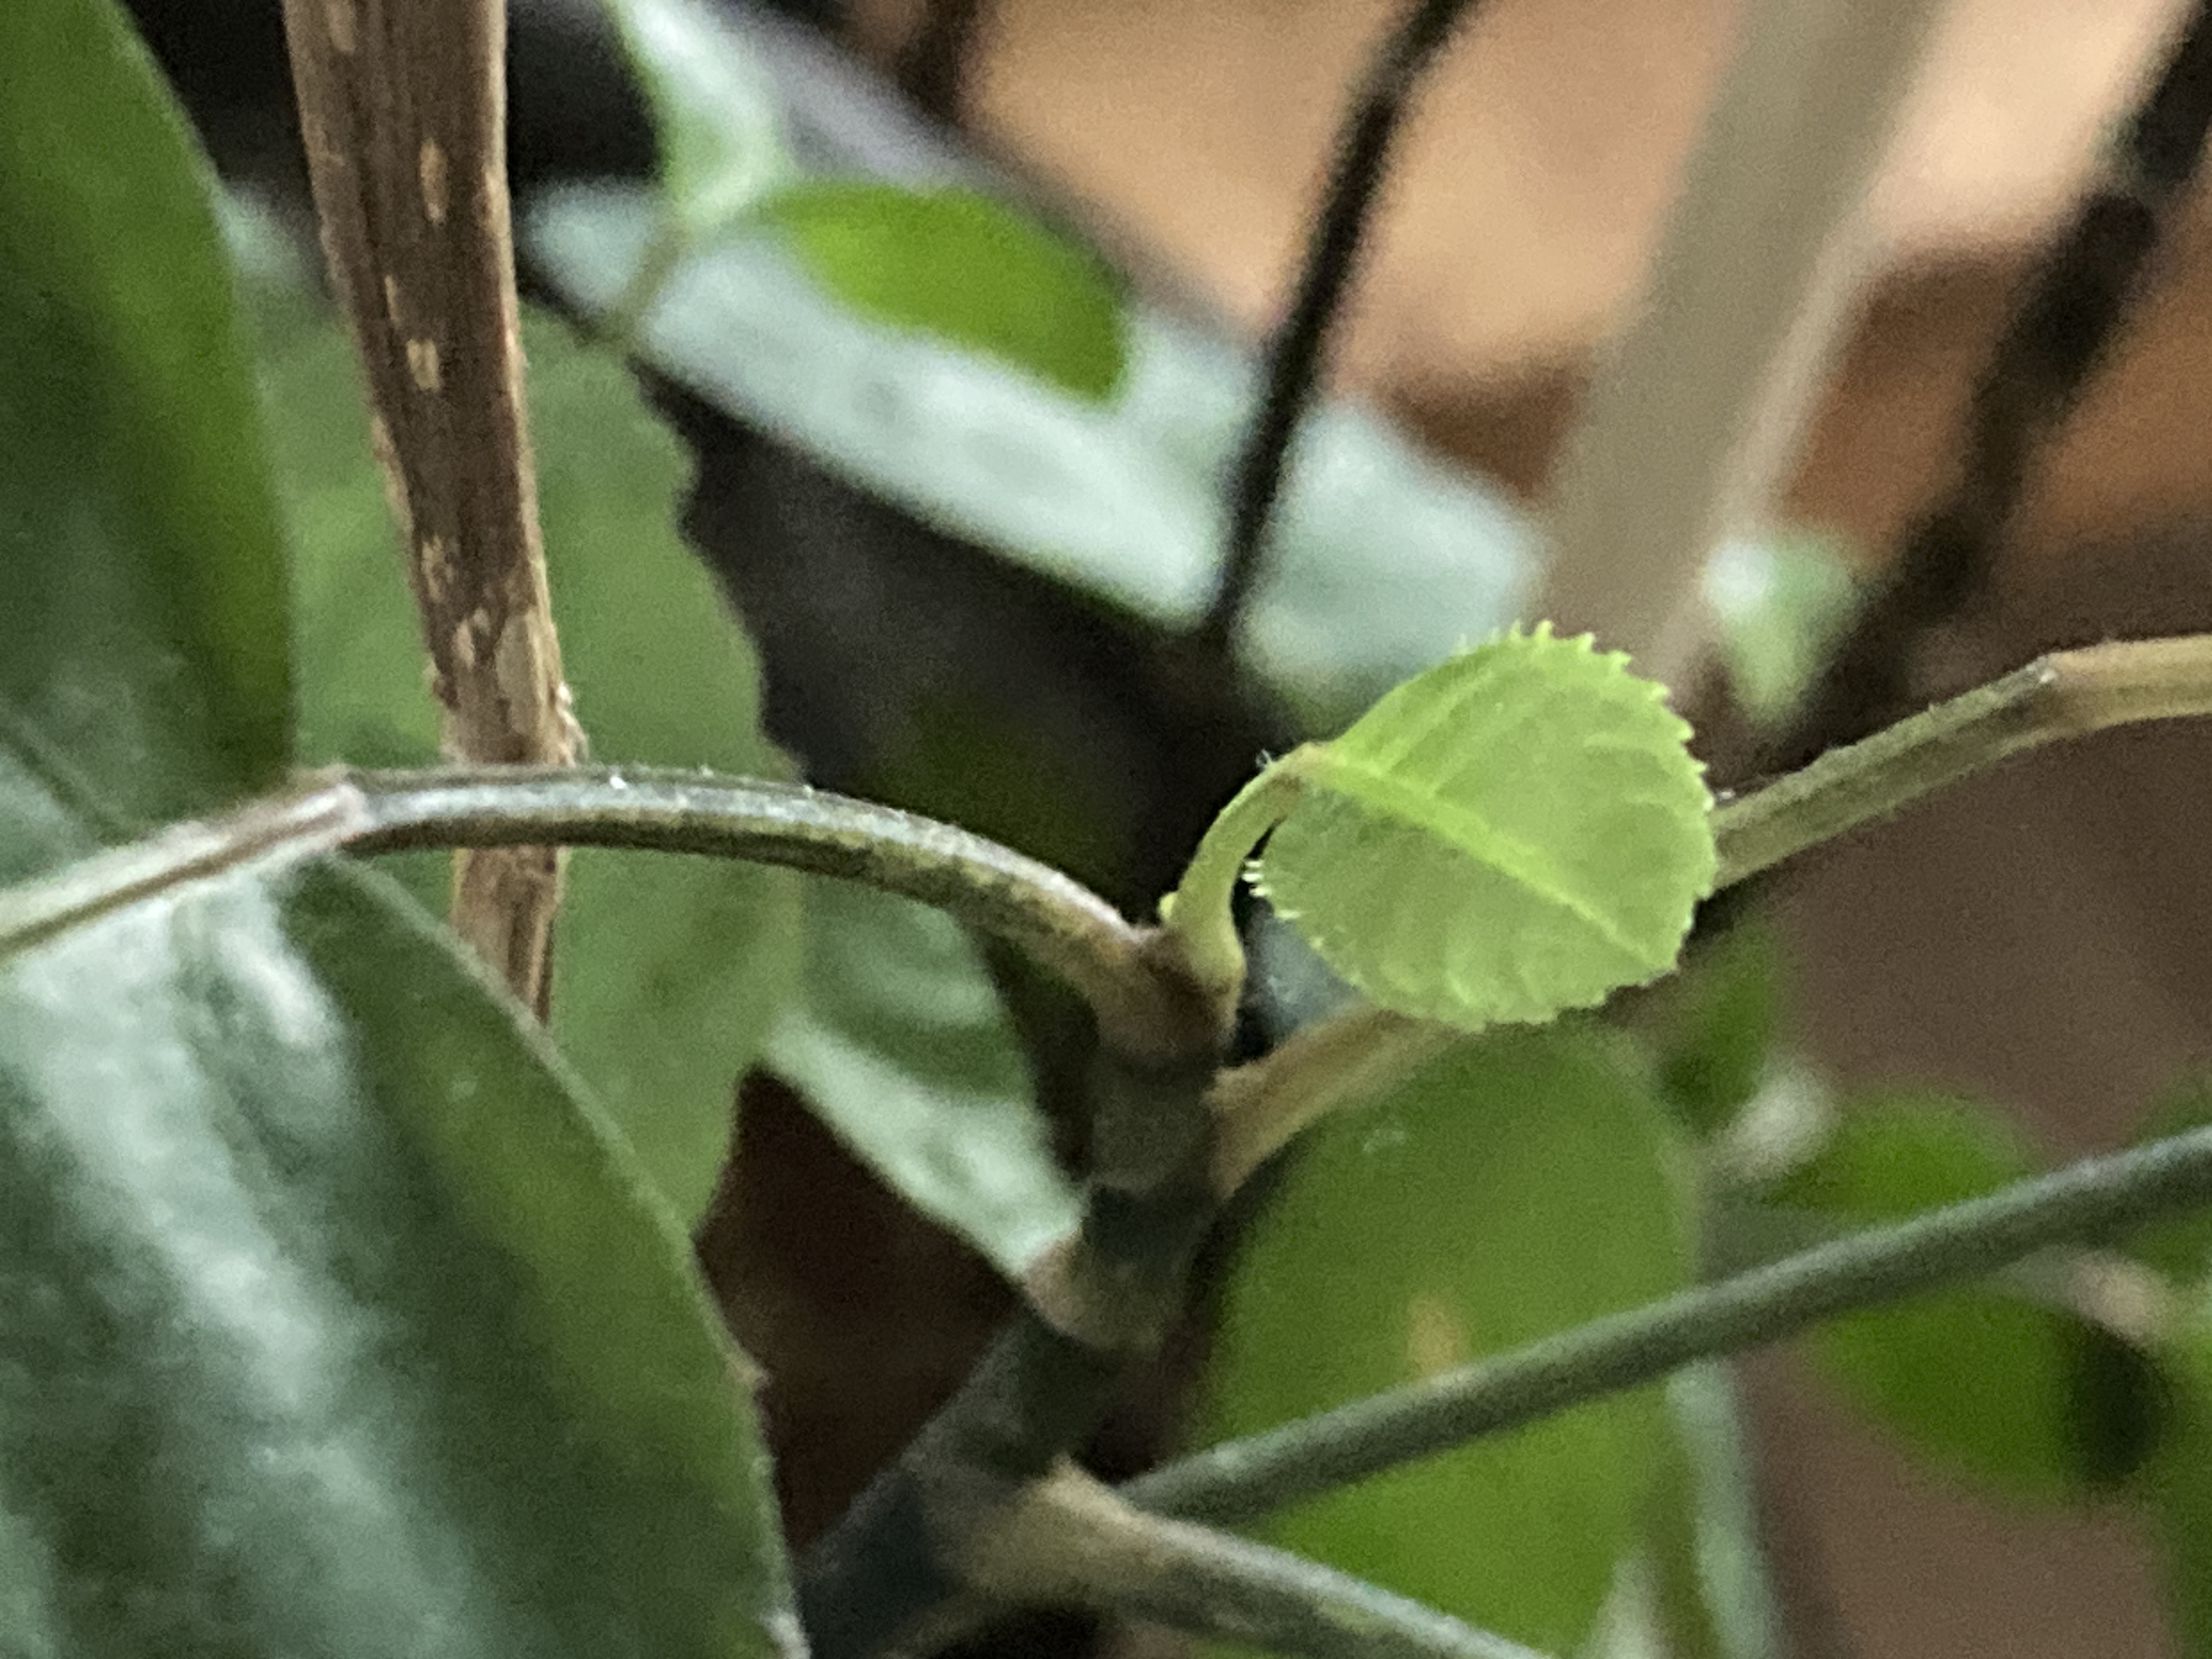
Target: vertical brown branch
[{"x": 402, "y": 105}]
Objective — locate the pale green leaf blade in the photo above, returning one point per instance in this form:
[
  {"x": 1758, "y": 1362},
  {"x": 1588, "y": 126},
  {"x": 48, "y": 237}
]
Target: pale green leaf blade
[
  {"x": 668, "y": 970},
  {"x": 1451, "y": 1220},
  {"x": 898, "y": 1043},
  {"x": 1516, "y": 832},
  {"x": 1385, "y": 557},
  {"x": 714, "y": 108},
  {"x": 967, "y": 268}
]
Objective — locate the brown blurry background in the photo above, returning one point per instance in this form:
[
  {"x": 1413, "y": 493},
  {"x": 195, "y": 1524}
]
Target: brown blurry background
[{"x": 2038, "y": 937}]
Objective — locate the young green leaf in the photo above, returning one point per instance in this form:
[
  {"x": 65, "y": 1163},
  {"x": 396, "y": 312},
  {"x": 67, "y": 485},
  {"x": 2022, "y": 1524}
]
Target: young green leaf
[
  {"x": 964, "y": 267},
  {"x": 1452, "y": 1219},
  {"x": 1518, "y": 831},
  {"x": 897, "y": 1041},
  {"x": 673, "y": 967}
]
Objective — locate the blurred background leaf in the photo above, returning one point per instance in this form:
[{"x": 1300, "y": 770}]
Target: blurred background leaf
[
  {"x": 1524, "y": 1182},
  {"x": 897, "y": 1041},
  {"x": 966, "y": 268},
  {"x": 1989, "y": 1379}
]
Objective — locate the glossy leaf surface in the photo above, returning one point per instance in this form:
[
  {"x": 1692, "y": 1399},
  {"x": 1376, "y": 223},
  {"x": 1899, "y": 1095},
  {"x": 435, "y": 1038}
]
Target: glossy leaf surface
[
  {"x": 336, "y": 1322},
  {"x": 669, "y": 970},
  {"x": 1458, "y": 1216},
  {"x": 898, "y": 1042},
  {"x": 1517, "y": 831},
  {"x": 142, "y": 630},
  {"x": 2036, "y": 1401},
  {"x": 336, "y": 1326}
]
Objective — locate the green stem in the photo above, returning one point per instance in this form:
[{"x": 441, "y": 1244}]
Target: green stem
[
  {"x": 1143, "y": 1010},
  {"x": 1071, "y": 1541},
  {"x": 1354, "y": 1055},
  {"x": 2066, "y": 694},
  {"x": 2093, "y": 1199},
  {"x": 1198, "y": 915}
]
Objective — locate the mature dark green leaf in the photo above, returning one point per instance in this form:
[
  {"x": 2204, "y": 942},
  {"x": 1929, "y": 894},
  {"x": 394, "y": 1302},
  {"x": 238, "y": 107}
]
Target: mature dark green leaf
[
  {"x": 2177, "y": 1486},
  {"x": 967, "y": 268},
  {"x": 669, "y": 970},
  {"x": 899, "y": 1043},
  {"x": 1718, "y": 1027},
  {"x": 142, "y": 630},
  {"x": 1385, "y": 559},
  {"x": 2037, "y": 1401},
  {"x": 1515, "y": 832},
  {"x": 1524, "y": 1182},
  {"x": 336, "y": 1325}
]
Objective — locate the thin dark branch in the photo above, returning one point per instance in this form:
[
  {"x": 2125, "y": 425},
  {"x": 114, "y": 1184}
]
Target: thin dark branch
[
  {"x": 932, "y": 64},
  {"x": 2057, "y": 339},
  {"x": 1296, "y": 351},
  {"x": 2091, "y": 1200}
]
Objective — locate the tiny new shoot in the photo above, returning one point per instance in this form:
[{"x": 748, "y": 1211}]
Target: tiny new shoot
[{"x": 1518, "y": 831}]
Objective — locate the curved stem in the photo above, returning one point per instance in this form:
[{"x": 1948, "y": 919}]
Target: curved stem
[
  {"x": 1346, "y": 1058},
  {"x": 2066, "y": 694},
  {"x": 1146, "y": 1010},
  {"x": 1199, "y": 915},
  {"x": 1072, "y": 1541},
  {"x": 1065, "y": 929},
  {"x": 2093, "y": 1199},
  {"x": 1296, "y": 349}
]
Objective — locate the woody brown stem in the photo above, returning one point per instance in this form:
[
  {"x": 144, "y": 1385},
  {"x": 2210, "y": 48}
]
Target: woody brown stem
[{"x": 402, "y": 107}]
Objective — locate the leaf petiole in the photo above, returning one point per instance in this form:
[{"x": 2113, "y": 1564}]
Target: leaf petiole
[{"x": 1197, "y": 915}]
